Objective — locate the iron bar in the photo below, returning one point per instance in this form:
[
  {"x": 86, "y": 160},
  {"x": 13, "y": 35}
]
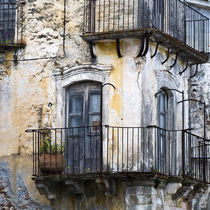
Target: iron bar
[
  {"x": 167, "y": 56},
  {"x": 174, "y": 61},
  {"x": 118, "y": 48},
  {"x": 142, "y": 46},
  {"x": 91, "y": 45},
  {"x": 156, "y": 49},
  {"x": 147, "y": 45},
  {"x": 196, "y": 71},
  {"x": 184, "y": 68}
]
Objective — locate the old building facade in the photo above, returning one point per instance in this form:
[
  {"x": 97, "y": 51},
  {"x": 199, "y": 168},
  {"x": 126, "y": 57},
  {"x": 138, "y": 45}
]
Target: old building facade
[{"x": 102, "y": 104}]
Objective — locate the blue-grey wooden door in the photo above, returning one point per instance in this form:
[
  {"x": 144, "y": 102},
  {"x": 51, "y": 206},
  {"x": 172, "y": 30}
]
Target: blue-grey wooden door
[{"x": 83, "y": 120}]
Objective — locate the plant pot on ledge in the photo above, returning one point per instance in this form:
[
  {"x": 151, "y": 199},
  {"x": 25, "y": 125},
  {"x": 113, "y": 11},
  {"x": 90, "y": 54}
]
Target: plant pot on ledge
[
  {"x": 51, "y": 163},
  {"x": 51, "y": 156}
]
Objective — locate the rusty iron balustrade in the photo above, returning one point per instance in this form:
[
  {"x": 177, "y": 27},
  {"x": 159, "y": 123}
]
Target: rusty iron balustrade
[
  {"x": 174, "y": 18},
  {"x": 124, "y": 151},
  {"x": 11, "y": 20}
]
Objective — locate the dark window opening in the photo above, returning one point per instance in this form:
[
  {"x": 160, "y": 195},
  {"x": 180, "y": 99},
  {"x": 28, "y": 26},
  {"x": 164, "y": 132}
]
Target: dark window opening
[
  {"x": 7, "y": 20},
  {"x": 166, "y": 135}
]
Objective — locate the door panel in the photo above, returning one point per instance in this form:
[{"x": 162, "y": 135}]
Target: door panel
[
  {"x": 83, "y": 120},
  {"x": 95, "y": 101},
  {"x": 76, "y": 110}
]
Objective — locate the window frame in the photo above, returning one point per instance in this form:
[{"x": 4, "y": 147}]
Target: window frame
[{"x": 86, "y": 91}]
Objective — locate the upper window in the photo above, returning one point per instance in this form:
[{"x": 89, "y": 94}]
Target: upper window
[
  {"x": 163, "y": 109},
  {"x": 10, "y": 22},
  {"x": 166, "y": 143}
]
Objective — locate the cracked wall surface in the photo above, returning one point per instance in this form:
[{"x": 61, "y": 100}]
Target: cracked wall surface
[{"x": 17, "y": 196}]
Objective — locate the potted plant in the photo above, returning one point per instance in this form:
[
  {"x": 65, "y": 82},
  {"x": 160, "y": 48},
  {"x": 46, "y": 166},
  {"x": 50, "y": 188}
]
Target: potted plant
[{"x": 51, "y": 160}]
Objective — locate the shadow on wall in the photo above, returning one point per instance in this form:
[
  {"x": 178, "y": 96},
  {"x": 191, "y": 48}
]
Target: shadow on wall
[{"x": 18, "y": 200}]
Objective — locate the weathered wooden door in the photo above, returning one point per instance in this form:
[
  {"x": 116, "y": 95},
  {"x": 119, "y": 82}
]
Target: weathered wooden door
[{"x": 83, "y": 119}]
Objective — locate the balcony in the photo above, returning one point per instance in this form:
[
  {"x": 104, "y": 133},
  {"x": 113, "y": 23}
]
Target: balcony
[
  {"x": 172, "y": 23},
  {"x": 11, "y": 19},
  {"x": 88, "y": 152}
]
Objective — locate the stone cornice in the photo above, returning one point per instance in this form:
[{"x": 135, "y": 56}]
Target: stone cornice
[
  {"x": 83, "y": 68},
  {"x": 167, "y": 79}
]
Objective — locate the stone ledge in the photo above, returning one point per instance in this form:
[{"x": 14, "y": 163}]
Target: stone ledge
[{"x": 8, "y": 47}]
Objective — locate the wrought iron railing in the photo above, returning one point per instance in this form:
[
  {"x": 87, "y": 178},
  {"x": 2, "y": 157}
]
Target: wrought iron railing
[
  {"x": 196, "y": 157},
  {"x": 173, "y": 17},
  {"x": 11, "y": 19},
  {"x": 120, "y": 150}
]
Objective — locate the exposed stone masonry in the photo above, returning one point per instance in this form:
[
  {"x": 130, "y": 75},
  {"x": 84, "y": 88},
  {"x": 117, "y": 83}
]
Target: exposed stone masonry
[{"x": 18, "y": 200}]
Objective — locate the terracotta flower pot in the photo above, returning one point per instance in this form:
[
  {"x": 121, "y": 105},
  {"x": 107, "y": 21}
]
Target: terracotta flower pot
[{"x": 51, "y": 163}]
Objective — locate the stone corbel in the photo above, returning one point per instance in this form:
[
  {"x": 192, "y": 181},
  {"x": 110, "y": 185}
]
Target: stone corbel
[
  {"x": 197, "y": 189},
  {"x": 75, "y": 186},
  {"x": 107, "y": 185},
  {"x": 183, "y": 192},
  {"x": 172, "y": 188},
  {"x": 44, "y": 189}
]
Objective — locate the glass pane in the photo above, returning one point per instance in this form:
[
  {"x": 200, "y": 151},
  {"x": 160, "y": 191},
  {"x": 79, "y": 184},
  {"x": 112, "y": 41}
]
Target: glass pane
[
  {"x": 76, "y": 121},
  {"x": 95, "y": 103},
  {"x": 94, "y": 120},
  {"x": 162, "y": 102},
  {"x": 162, "y": 121},
  {"x": 76, "y": 105}
]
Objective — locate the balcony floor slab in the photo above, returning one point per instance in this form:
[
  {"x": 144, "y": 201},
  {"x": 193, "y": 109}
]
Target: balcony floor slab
[{"x": 184, "y": 51}]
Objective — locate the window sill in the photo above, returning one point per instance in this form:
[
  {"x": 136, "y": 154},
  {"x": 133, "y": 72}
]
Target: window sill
[{"x": 8, "y": 46}]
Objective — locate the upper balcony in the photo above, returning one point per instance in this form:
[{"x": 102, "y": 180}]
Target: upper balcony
[
  {"x": 89, "y": 152},
  {"x": 172, "y": 23},
  {"x": 11, "y": 19}
]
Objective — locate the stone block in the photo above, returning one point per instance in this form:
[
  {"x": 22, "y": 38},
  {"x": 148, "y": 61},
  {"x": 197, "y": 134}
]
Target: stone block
[{"x": 171, "y": 188}]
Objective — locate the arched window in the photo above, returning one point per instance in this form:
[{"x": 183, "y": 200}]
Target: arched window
[
  {"x": 83, "y": 133},
  {"x": 166, "y": 139},
  {"x": 165, "y": 109}
]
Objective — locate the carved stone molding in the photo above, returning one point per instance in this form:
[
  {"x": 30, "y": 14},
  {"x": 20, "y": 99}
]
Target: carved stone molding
[{"x": 80, "y": 73}]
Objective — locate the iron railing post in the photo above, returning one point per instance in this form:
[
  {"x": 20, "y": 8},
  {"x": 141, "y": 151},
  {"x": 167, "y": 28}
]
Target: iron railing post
[
  {"x": 204, "y": 149},
  {"x": 183, "y": 153},
  {"x": 101, "y": 132}
]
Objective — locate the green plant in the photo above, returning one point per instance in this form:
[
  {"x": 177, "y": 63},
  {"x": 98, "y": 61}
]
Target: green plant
[
  {"x": 48, "y": 145},
  {"x": 154, "y": 170},
  {"x": 8, "y": 41}
]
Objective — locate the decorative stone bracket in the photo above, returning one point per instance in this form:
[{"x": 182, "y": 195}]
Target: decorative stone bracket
[
  {"x": 46, "y": 189},
  {"x": 76, "y": 187},
  {"x": 80, "y": 73},
  {"x": 187, "y": 192},
  {"x": 107, "y": 185}
]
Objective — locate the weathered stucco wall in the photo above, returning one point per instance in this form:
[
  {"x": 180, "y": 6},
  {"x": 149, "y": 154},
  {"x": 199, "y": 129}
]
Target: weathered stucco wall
[
  {"x": 27, "y": 91},
  {"x": 137, "y": 79}
]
